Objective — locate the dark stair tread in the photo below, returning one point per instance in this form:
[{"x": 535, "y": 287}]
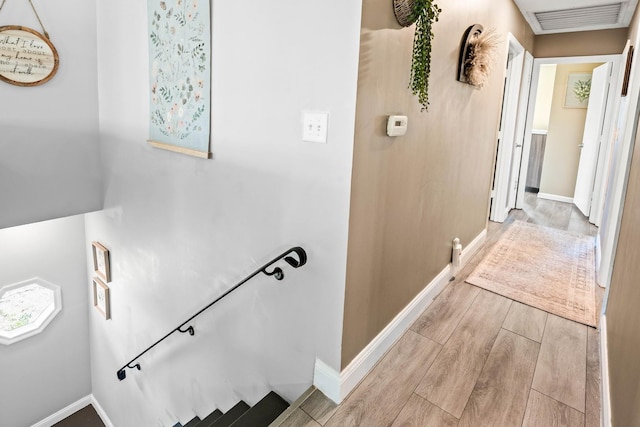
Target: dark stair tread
[
  {"x": 178, "y": 425},
  {"x": 194, "y": 422},
  {"x": 209, "y": 419},
  {"x": 230, "y": 416},
  {"x": 263, "y": 412}
]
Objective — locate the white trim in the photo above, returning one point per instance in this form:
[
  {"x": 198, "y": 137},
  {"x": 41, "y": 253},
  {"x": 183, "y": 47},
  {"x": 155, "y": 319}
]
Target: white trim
[
  {"x": 336, "y": 386},
  {"x": 555, "y": 197},
  {"x": 327, "y": 380},
  {"x": 578, "y": 59},
  {"x": 472, "y": 248},
  {"x": 42, "y": 321},
  {"x": 507, "y": 129},
  {"x": 618, "y": 173},
  {"x": 64, "y": 412},
  {"x": 72, "y": 409},
  {"x": 605, "y": 391},
  {"x": 608, "y": 137},
  {"x": 516, "y": 187},
  {"x": 101, "y": 412},
  {"x": 598, "y": 247}
]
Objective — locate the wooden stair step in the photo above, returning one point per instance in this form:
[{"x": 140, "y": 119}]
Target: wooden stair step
[{"x": 263, "y": 412}]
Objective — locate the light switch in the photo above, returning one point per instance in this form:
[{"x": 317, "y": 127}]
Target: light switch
[{"x": 314, "y": 127}]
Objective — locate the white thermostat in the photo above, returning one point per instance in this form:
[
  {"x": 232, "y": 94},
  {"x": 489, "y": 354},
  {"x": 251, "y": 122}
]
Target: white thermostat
[{"x": 397, "y": 125}]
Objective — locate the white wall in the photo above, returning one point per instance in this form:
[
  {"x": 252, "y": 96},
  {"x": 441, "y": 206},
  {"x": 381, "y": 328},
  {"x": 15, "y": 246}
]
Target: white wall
[
  {"x": 544, "y": 97},
  {"x": 182, "y": 230},
  {"x": 49, "y": 165},
  {"x": 44, "y": 373}
]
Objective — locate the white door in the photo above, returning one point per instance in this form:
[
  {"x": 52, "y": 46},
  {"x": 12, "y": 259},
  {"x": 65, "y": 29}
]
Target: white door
[
  {"x": 591, "y": 138},
  {"x": 521, "y": 121},
  {"x": 500, "y": 206}
]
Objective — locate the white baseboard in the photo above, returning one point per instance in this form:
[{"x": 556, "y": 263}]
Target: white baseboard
[
  {"x": 64, "y": 412},
  {"x": 605, "y": 391},
  {"x": 72, "y": 409},
  {"x": 101, "y": 412},
  {"x": 549, "y": 196},
  {"x": 472, "y": 248},
  {"x": 328, "y": 381},
  {"x": 598, "y": 251},
  {"x": 336, "y": 386}
]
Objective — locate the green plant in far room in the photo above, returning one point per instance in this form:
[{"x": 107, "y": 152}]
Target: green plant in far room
[
  {"x": 582, "y": 89},
  {"x": 425, "y": 14}
]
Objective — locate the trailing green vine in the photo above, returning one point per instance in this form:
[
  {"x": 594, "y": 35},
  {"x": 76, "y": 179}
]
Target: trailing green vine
[{"x": 425, "y": 13}]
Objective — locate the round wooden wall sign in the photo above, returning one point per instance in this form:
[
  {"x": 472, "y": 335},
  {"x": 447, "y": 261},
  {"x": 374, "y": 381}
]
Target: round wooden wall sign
[{"x": 27, "y": 58}]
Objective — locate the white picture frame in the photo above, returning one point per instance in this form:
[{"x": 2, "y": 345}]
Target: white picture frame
[{"x": 571, "y": 100}]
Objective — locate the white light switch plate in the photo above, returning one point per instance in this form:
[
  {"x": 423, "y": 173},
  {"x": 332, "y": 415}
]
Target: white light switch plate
[{"x": 314, "y": 127}]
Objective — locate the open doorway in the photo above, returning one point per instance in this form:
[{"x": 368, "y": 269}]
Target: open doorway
[
  {"x": 568, "y": 123},
  {"x": 562, "y": 159}
]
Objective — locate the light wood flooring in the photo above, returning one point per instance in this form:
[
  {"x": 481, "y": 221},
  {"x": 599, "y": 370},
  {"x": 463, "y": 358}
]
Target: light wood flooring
[{"x": 475, "y": 358}]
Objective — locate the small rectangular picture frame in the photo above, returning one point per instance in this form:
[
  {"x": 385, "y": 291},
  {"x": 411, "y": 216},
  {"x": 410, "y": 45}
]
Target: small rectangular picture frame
[
  {"x": 101, "y": 261},
  {"x": 101, "y": 298},
  {"x": 571, "y": 100}
]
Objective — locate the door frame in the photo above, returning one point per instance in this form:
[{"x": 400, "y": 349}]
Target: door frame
[
  {"x": 618, "y": 178},
  {"x": 608, "y": 133},
  {"x": 523, "y": 109},
  {"x": 507, "y": 131},
  {"x": 606, "y": 150}
]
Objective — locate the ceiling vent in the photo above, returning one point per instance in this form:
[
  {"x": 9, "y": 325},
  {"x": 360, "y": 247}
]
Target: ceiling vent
[{"x": 577, "y": 18}]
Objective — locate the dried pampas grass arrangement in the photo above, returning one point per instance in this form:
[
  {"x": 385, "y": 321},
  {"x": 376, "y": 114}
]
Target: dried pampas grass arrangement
[{"x": 479, "y": 55}]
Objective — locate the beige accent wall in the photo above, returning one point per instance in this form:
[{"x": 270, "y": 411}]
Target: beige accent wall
[
  {"x": 634, "y": 26},
  {"x": 583, "y": 43},
  {"x": 412, "y": 195},
  {"x": 623, "y": 315},
  {"x": 566, "y": 127},
  {"x": 544, "y": 97}
]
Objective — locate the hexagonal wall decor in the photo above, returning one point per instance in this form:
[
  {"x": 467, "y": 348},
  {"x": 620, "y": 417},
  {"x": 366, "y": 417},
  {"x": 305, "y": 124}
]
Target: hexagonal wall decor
[{"x": 26, "y": 308}]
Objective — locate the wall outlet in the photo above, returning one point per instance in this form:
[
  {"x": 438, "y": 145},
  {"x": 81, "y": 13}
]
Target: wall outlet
[{"x": 314, "y": 127}]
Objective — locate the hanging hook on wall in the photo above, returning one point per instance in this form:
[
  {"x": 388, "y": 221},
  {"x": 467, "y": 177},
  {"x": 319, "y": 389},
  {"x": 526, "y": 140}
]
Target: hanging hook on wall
[{"x": 465, "y": 50}]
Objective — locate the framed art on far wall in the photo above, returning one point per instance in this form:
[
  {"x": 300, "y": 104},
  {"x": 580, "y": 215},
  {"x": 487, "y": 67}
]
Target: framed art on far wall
[
  {"x": 578, "y": 90},
  {"x": 101, "y": 298},
  {"x": 101, "y": 261}
]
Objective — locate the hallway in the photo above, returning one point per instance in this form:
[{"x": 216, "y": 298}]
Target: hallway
[{"x": 475, "y": 358}]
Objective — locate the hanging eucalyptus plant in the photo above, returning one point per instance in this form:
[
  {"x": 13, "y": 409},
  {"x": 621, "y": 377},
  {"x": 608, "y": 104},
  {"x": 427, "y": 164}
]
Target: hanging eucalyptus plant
[{"x": 425, "y": 13}]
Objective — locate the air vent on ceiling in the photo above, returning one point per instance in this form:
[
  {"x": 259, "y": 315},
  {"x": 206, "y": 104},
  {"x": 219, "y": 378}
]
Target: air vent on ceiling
[{"x": 567, "y": 19}]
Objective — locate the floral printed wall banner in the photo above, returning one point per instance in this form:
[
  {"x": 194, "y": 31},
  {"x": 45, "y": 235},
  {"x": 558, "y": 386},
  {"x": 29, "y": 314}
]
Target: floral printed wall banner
[
  {"x": 180, "y": 76},
  {"x": 578, "y": 90}
]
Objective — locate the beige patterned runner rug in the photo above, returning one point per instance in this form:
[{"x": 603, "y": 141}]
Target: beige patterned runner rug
[{"x": 543, "y": 267}]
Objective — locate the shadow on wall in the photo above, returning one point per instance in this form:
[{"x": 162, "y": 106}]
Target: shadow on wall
[
  {"x": 182, "y": 231},
  {"x": 47, "y": 174}
]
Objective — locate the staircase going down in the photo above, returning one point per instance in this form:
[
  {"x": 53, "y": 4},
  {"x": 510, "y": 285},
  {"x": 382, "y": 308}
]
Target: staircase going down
[{"x": 242, "y": 415}]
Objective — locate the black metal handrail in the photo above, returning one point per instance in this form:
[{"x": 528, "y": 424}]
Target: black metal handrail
[{"x": 276, "y": 272}]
